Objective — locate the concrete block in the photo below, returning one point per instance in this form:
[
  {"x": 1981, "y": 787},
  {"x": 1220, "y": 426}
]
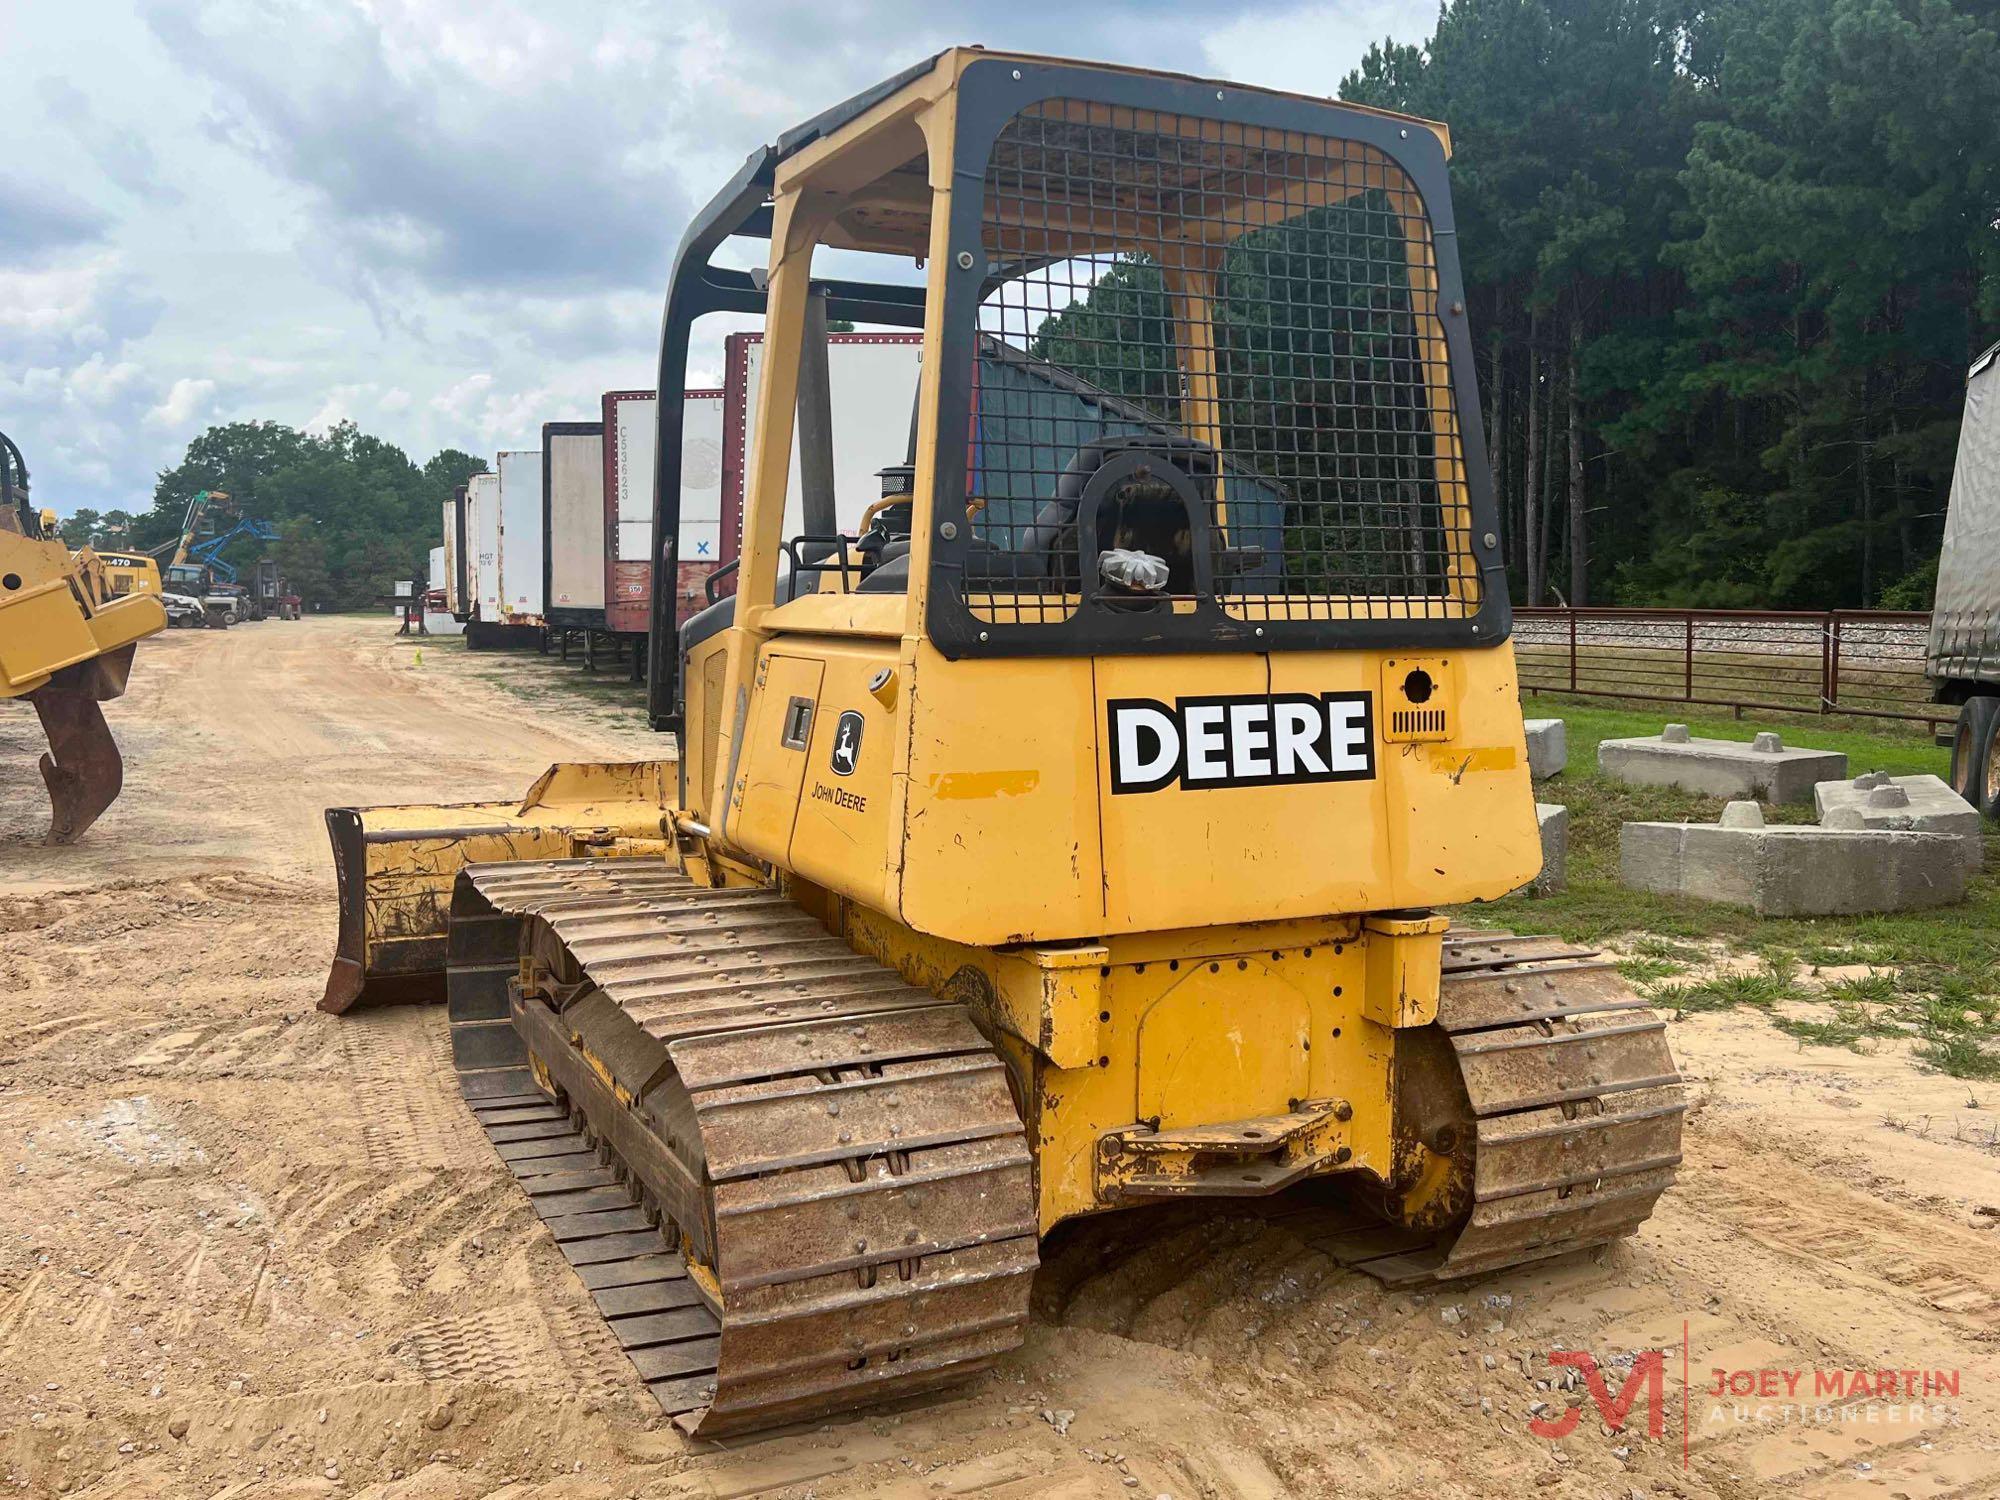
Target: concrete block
[
  {"x": 1764, "y": 769},
  {"x": 1793, "y": 870},
  {"x": 1554, "y": 821},
  {"x": 1548, "y": 748},
  {"x": 1879, "y": 800},
  {"x": 1741, "y": 815}
]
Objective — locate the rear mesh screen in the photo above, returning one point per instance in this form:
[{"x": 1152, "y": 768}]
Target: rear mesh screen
[{"x": 1265, "y": 303}]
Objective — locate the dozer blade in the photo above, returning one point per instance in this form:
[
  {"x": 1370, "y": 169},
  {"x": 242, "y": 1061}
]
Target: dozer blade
[
  {"x": 394, "y": 866},
  {"x": 792, "y": 1183},
  {"x": 83, "y": 769}
]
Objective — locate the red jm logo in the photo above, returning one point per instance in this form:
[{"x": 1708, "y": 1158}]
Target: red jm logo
[{"x": 1648, "y": 1376}]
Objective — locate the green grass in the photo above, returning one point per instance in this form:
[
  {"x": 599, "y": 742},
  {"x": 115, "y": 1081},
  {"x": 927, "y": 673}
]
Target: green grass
[
  {"x": 1974, "y": 989},
  {"x": 1875, "y": 989},
  {"x": 1837, "y": 955},
  {"x": 1682, "y": 999},
  {"x": 1834, "y": 1033},
  {"x": 1944, "y": 988},
  {"x": 1655, "y": 947},
  {"x": 1952, "y": 1018},
  {"x": 1849, "y": 1025},
  {"x": 1960, "y": 1056},
  {"x": 1761, "y": 991},
  {"x": 1644, "y": 970}
]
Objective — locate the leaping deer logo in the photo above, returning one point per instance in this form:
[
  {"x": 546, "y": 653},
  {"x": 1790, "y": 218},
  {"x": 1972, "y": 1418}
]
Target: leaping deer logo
[{"x": 846, "y": 743}]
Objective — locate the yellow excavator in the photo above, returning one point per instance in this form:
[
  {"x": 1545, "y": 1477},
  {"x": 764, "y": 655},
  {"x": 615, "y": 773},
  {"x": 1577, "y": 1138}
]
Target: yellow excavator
[
  {"x": 67, "y": 635},
  {"x": 1072, "y": 834}
]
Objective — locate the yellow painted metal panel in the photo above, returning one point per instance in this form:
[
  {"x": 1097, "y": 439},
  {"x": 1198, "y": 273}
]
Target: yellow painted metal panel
[
  {"x": 1017, "y": 831},
  {"x": 1188, "y": 855},
  {"x": 1223, "y": 1046},
  {"x": 41, "y": 631},
  {"x": 845, "y": 823},
  {"x": 1101, "y": 1037},
  {"x": 838, "y": 613},
  {"x": 1000, "y": 838},
  {"x": 1461, "y": 814},
  {"x": 126, "y": 620},
  {"x": 771, "y": 771}
]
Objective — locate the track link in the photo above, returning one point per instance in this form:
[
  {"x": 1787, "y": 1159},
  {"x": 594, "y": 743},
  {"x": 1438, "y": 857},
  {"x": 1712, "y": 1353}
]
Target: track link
[
  {"x": 792, "y": 1182},
  {"x": 1573, "y": 1109}
]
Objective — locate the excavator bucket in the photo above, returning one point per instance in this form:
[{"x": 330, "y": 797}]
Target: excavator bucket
[
  {"x": 83, "y": 769},
  {"x": 395, "y": 865}
]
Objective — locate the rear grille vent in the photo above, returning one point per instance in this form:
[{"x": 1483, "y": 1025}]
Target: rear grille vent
[
  {"x": 1416, "y": 721},
  {"x": 1417, "y": 695}
]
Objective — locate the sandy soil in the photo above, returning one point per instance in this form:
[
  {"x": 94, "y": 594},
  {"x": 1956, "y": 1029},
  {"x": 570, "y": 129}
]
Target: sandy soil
[{"x": 249, "y": 1249}]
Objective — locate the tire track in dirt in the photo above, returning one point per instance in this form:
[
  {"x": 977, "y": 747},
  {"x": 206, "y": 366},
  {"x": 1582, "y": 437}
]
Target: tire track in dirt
[
  {"x": 1209, "y": 1285},
  {"x": 1895, "y": 1251}
]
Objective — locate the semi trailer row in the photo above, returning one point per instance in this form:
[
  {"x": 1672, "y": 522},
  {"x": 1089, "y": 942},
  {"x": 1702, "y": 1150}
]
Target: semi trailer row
[{"x": 559, "y": 539}]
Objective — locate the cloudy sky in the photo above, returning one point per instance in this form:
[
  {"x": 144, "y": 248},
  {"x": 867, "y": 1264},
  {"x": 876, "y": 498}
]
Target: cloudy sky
[{"x": 448, "y": 220}]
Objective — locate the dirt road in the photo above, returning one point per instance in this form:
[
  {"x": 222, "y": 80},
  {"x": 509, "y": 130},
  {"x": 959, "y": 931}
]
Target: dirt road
[{"x": 247, "y": 1248}]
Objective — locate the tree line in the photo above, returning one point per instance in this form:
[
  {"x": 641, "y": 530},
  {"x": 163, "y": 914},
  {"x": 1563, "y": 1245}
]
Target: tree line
[
  {"x": 1725, "y": 267},
  {"x": 354, "y": 514}
]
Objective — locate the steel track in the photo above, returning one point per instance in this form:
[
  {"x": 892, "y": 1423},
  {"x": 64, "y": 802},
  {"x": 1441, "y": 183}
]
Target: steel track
[
  {"x": 794, "y": 1183},
  {"x": 1575, "y": 1103}
]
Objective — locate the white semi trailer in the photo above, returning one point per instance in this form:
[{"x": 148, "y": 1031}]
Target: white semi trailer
[
  {"x": 482, "y": 530},
  {"x": 631, "y": 421},
  {"x": 440, "y": 621},
  {"x": 573, "y": 570},
  {"x": 1963, "y": 661},
  {"x": 490, "y": 623},
  {"x": 521, "y": 602},
  {"x": 873, "y": 379}
]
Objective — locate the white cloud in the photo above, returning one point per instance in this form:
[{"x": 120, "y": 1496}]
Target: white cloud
[
  {"x": 1309, "y": 49},
  {"x": 462, "y": 398},
  {"x": 360, "y": 402},
  {"x": 57, "y": 304},
  {"x": 98, "y": 381},
  {"x": 451, "y": 220},
  {"x": 184, "y": 401}
]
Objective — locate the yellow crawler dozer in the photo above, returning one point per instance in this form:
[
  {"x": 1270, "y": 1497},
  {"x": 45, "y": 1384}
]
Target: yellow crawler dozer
[
  {"x": 1072, "y": 834},
  {"x": 66, "y": 640}
]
